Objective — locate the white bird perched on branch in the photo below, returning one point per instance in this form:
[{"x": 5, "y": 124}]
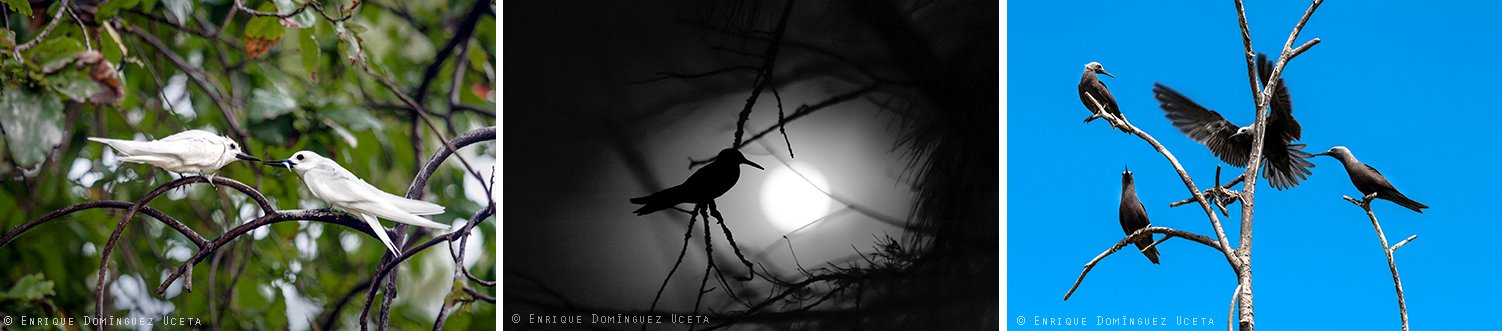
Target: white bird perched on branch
[
  {"x": 192, "y": 151},
  {"x": 341, "y": 189}
]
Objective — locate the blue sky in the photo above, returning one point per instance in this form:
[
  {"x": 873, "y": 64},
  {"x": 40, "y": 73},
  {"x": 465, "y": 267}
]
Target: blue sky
[{"x": 1396, "y": 82}]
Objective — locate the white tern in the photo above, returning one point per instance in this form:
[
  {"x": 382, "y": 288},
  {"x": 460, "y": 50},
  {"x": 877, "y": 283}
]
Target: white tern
[
  {"x": 192, "y": 151},
  {"x": 341, "y": 189}
]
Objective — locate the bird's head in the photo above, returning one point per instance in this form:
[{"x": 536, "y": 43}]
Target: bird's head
[
  {"x": 1097, "y": 68},
  {"x": 301, "y": 161},
  {"x": 1243, "y": 131},
  {"x": 735, "y": 157},
  {"x": 1339, "y": 152},
  {"x": 1126, "y": 176},
  {"x": 234, "y": 151}
]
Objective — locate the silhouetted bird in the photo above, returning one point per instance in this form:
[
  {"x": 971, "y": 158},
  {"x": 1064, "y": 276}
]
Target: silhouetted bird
[
  {"x": 1090, "y": 83},
  {"x": 1285, "y": 162},
  {"x": 1134, "y": 215},
  {"x": 1368, "y": 180},
  {"x": 706, "y": 184}
]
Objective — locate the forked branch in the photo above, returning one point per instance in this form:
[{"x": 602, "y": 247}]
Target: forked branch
[{"x": 1366, "y": 204}]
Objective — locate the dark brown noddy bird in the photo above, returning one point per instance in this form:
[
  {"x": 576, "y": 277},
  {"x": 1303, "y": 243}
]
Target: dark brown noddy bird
[
  {"x": 1090, "y": 84},
  {"x": 706, "y": 184},
  {"x": 1134, "y": 215},
  {"x": 1368, "y": 180},
  {"x": 1285, "y": 163}
]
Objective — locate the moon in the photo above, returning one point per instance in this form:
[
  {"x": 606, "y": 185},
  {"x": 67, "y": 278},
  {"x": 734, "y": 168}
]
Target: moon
[{"x": 791, "y": 201}]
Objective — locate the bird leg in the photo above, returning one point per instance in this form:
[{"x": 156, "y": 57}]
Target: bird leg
[
  {"x": 750, "y": 272},
  {"x": 211, "y": 180}
]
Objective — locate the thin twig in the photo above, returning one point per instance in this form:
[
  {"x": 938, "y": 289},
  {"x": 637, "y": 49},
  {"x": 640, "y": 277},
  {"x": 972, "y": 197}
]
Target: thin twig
[
  {"x": 1130, "y": 238},
  {"x": 1397, "y": 282},
  {"x": 1220, "y": 232},
  {"x": 56, "y": 17}
]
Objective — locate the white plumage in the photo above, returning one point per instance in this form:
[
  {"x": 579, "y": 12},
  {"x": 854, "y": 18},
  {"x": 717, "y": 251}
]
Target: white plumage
[
  {"x": 341, "y": 189},
  {"x": 192, "y": 151}
]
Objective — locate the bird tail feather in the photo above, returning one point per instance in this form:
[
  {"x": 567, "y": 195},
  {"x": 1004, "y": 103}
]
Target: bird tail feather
[
  {"x": 415, "y": 207},
  {"x": 1402, "y": 200},
  {"x": 395, "y": 214},
  {"x": 380, "y": 231},
  {"x": 1152, "y": 254}
]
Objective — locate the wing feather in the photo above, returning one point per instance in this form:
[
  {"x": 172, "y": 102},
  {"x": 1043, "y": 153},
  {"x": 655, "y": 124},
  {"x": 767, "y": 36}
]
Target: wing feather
[{"x": 1204, "y": 126}]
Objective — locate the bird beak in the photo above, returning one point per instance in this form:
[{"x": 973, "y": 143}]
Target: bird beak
[
  {"x": 758, "y": 166},
  {"x": 246, "y": 157},
  {"x": 280, "y": 163},
  {"x": 1319, "y": 154},
  {"x": 1103, "y": 71}
]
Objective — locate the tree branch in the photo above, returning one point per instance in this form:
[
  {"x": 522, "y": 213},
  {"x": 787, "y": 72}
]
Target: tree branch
[
  {"x": 1147, "y": 231},
  {"x": 111, "y": 204},
  {"x": 56, "y": 17},
  {"x": 314, "y": 215},
  {"x": 1244, "y": 249},
  {"x": 1366, "y": 204},
  {"x": 1220, "y": 232}
]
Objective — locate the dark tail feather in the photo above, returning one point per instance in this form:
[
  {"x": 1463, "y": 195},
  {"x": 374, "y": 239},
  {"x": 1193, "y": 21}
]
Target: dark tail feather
[
  {"x": 1402, "y": 200},
  {"x": 640, "y": 200},
  {"x": 1152, "y": 254}
]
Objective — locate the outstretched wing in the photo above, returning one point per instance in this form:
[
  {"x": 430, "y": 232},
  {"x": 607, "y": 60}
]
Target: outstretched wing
[
  {"x": 1280, "y": 119},
  {"x": 1204, "y": 126},
  {"x": 1286, "y": 165}
]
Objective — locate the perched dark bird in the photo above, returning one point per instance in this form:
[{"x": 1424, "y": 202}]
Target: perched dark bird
[
  {"x": 706, "y": 184},
  {"x": 1134, "y": 215},
  {"x": 1368, "y": 180},
  {"x": 1285, "y": 163},
  {"x": 1090, "y": 84}
]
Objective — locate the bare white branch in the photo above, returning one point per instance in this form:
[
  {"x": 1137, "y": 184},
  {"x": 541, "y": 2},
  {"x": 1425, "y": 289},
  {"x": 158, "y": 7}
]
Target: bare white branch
[
  {"x": 1397, "y": 282},
  {"x": 1147, "y": 231}
]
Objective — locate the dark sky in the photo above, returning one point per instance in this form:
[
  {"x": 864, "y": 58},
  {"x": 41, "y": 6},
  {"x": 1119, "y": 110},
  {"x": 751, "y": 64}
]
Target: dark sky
[{"x": 580, "y": 140}]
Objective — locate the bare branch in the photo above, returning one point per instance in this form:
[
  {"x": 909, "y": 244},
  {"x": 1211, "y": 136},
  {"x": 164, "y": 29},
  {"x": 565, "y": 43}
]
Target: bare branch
[
  {"x": 1248, "y": 191},
  {"x": 1220, "y": 232},
  {"x": 1400, "y": 244},
  {"x": 56, "y": 17},
  {"x": 1231, "y": 312},
  {"x": 1147, "y": 231},
  {"x": 768, "y": 67},
  {"x": 113, "y": 204},
  {"x": 1397, "y": 282}
]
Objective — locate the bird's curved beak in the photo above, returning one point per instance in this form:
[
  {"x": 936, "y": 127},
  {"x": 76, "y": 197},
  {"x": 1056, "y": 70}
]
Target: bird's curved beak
[
  {"x": 748, "y": 162},
  {"x": 246, "y": 157},
  {"x": 1103, "y": 72},
  {"x": 281, "y": 163}
]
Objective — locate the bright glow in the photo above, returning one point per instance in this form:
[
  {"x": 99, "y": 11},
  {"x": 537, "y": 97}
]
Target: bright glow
[{"x": 790, "y": 201}]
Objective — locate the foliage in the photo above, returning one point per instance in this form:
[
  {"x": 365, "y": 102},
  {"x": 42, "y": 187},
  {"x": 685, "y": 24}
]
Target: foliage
[{"x": 145, "y": 69}]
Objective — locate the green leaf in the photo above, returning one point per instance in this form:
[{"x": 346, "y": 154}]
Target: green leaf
[
  {"x": 112, "y": 7},
  {"x": 7, "y": 39},
  {"x": 33, "y": 122},
  {"x": 29, "y": 287},
  {"x": 354, "y": 118},
  {"x": 55, "y": 52},
  {"x": 73, "y": 82},
  {"x": 310, "y": 50},
  {"x": 20, "y": 6},
  {"x": 270, "y": 103},
  {"x": 265, "y": 27}
]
